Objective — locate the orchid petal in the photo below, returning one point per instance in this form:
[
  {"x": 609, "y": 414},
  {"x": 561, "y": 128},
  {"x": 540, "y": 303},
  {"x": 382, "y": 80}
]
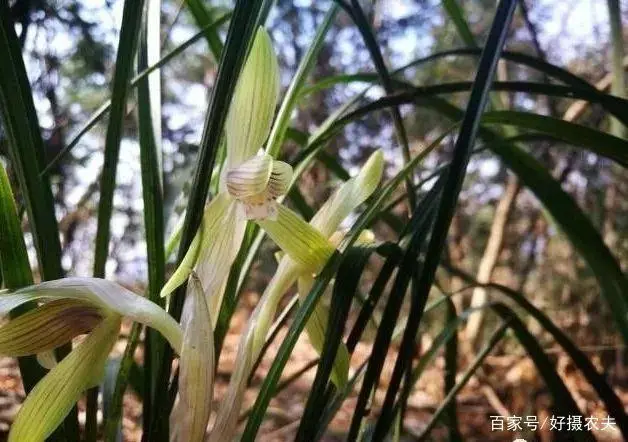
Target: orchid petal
[
  {"x": 250, "y": 177},
  {"x": 279, "y": 179},
  {"x": 196, "y": 364},
  {"x": 213, "y": 218},
  {"x": 304, "y": 244},
  {"x": 47, "y": 327},
  {"x": 316, "y": 328},
  {"x": 54, "y": 396},
  {"x": 257, "y": 182},
  {"x": 349, "y": 196},
  {"x": 254, "y": 100},
  {"x": 101, "y": 293},
  {"x": 219, "y": 247}
]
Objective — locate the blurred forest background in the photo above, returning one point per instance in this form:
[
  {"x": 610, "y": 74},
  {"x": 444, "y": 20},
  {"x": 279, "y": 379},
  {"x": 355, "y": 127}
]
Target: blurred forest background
[{"x": 500, "y": 233}]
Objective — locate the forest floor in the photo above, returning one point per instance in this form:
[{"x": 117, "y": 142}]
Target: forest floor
[{"x": 507, "y": 385}]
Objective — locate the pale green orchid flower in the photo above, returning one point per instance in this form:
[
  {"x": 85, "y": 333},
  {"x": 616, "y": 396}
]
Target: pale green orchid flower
[
  {"x": 250, "y": 182},
  {"x": 307, "y": 248},
  {"x": 71, "y": 307},
  {"x": 248, "y": 187}
]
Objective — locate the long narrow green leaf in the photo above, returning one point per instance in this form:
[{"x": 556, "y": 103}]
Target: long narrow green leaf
[
  {"x": 131, "y": 18},
  {"x": 595, "y": 140},
  {"x": 451, "y": 369},
  {"x": 346, "y": 284},
  {"x": 597, "y": 380},
  {"x": 26, "y": 148},
  {"x": 203, "y": 16},
  {"x": 567, "y": 215},
  {"x": 129, "y": 31},
  {"x": 548, "y": 69},
  {"x": 149, "y": 121},
  {"x": 615, "y": 105},
  {"x": 26, "y": 151},
  {"x": 15, "y": 269},
  {"x": 452, "y": 185},
  {"x": 126, "y": 47},
  {"x": 278, "y": 131},
  {"x": 495, "y": 338},
  {"x": 149, "y": 109},
  {"x": 455, "y": 12}
]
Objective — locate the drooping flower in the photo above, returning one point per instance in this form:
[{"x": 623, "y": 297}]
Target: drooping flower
[
  {"x": 307, "y": 248},
  {"x": 71, "y": 307}
]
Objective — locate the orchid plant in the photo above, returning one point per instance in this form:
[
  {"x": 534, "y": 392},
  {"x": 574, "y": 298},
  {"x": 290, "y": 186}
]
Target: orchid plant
[
  {"x": 72, "y": 324},
  {"x": 251, "y": 182}
]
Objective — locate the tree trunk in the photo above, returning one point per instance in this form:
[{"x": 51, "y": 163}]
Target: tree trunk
[{"x": 491, "y": 253}]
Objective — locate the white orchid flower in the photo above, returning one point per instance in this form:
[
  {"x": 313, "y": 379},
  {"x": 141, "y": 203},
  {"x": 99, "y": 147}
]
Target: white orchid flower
[
  {"x": 70, "y": 307},
  {"x": 307, "y": 248}
]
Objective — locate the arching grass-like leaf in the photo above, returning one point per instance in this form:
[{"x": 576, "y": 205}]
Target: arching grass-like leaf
[
  {"x": 15, "y": 268},
  {"x": 495, "y": 338},
  {"x": 599, "y": 142},
  {"x": 26, "y": 152},
  {"x": 455, "y": 12},
  {"x": 277, "y": 134},
  {"x": 597, "y": 380},
  {"x": 346, "y": 284},
  {"x": 448, "y": 201},
  {"x": 26, "y": 147}
]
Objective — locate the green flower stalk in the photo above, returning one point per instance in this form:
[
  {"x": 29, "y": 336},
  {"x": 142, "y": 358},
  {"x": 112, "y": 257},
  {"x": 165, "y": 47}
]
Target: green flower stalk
[
  {"x": 70, "y": 307},
  {"x": 307, "y": 248}
]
